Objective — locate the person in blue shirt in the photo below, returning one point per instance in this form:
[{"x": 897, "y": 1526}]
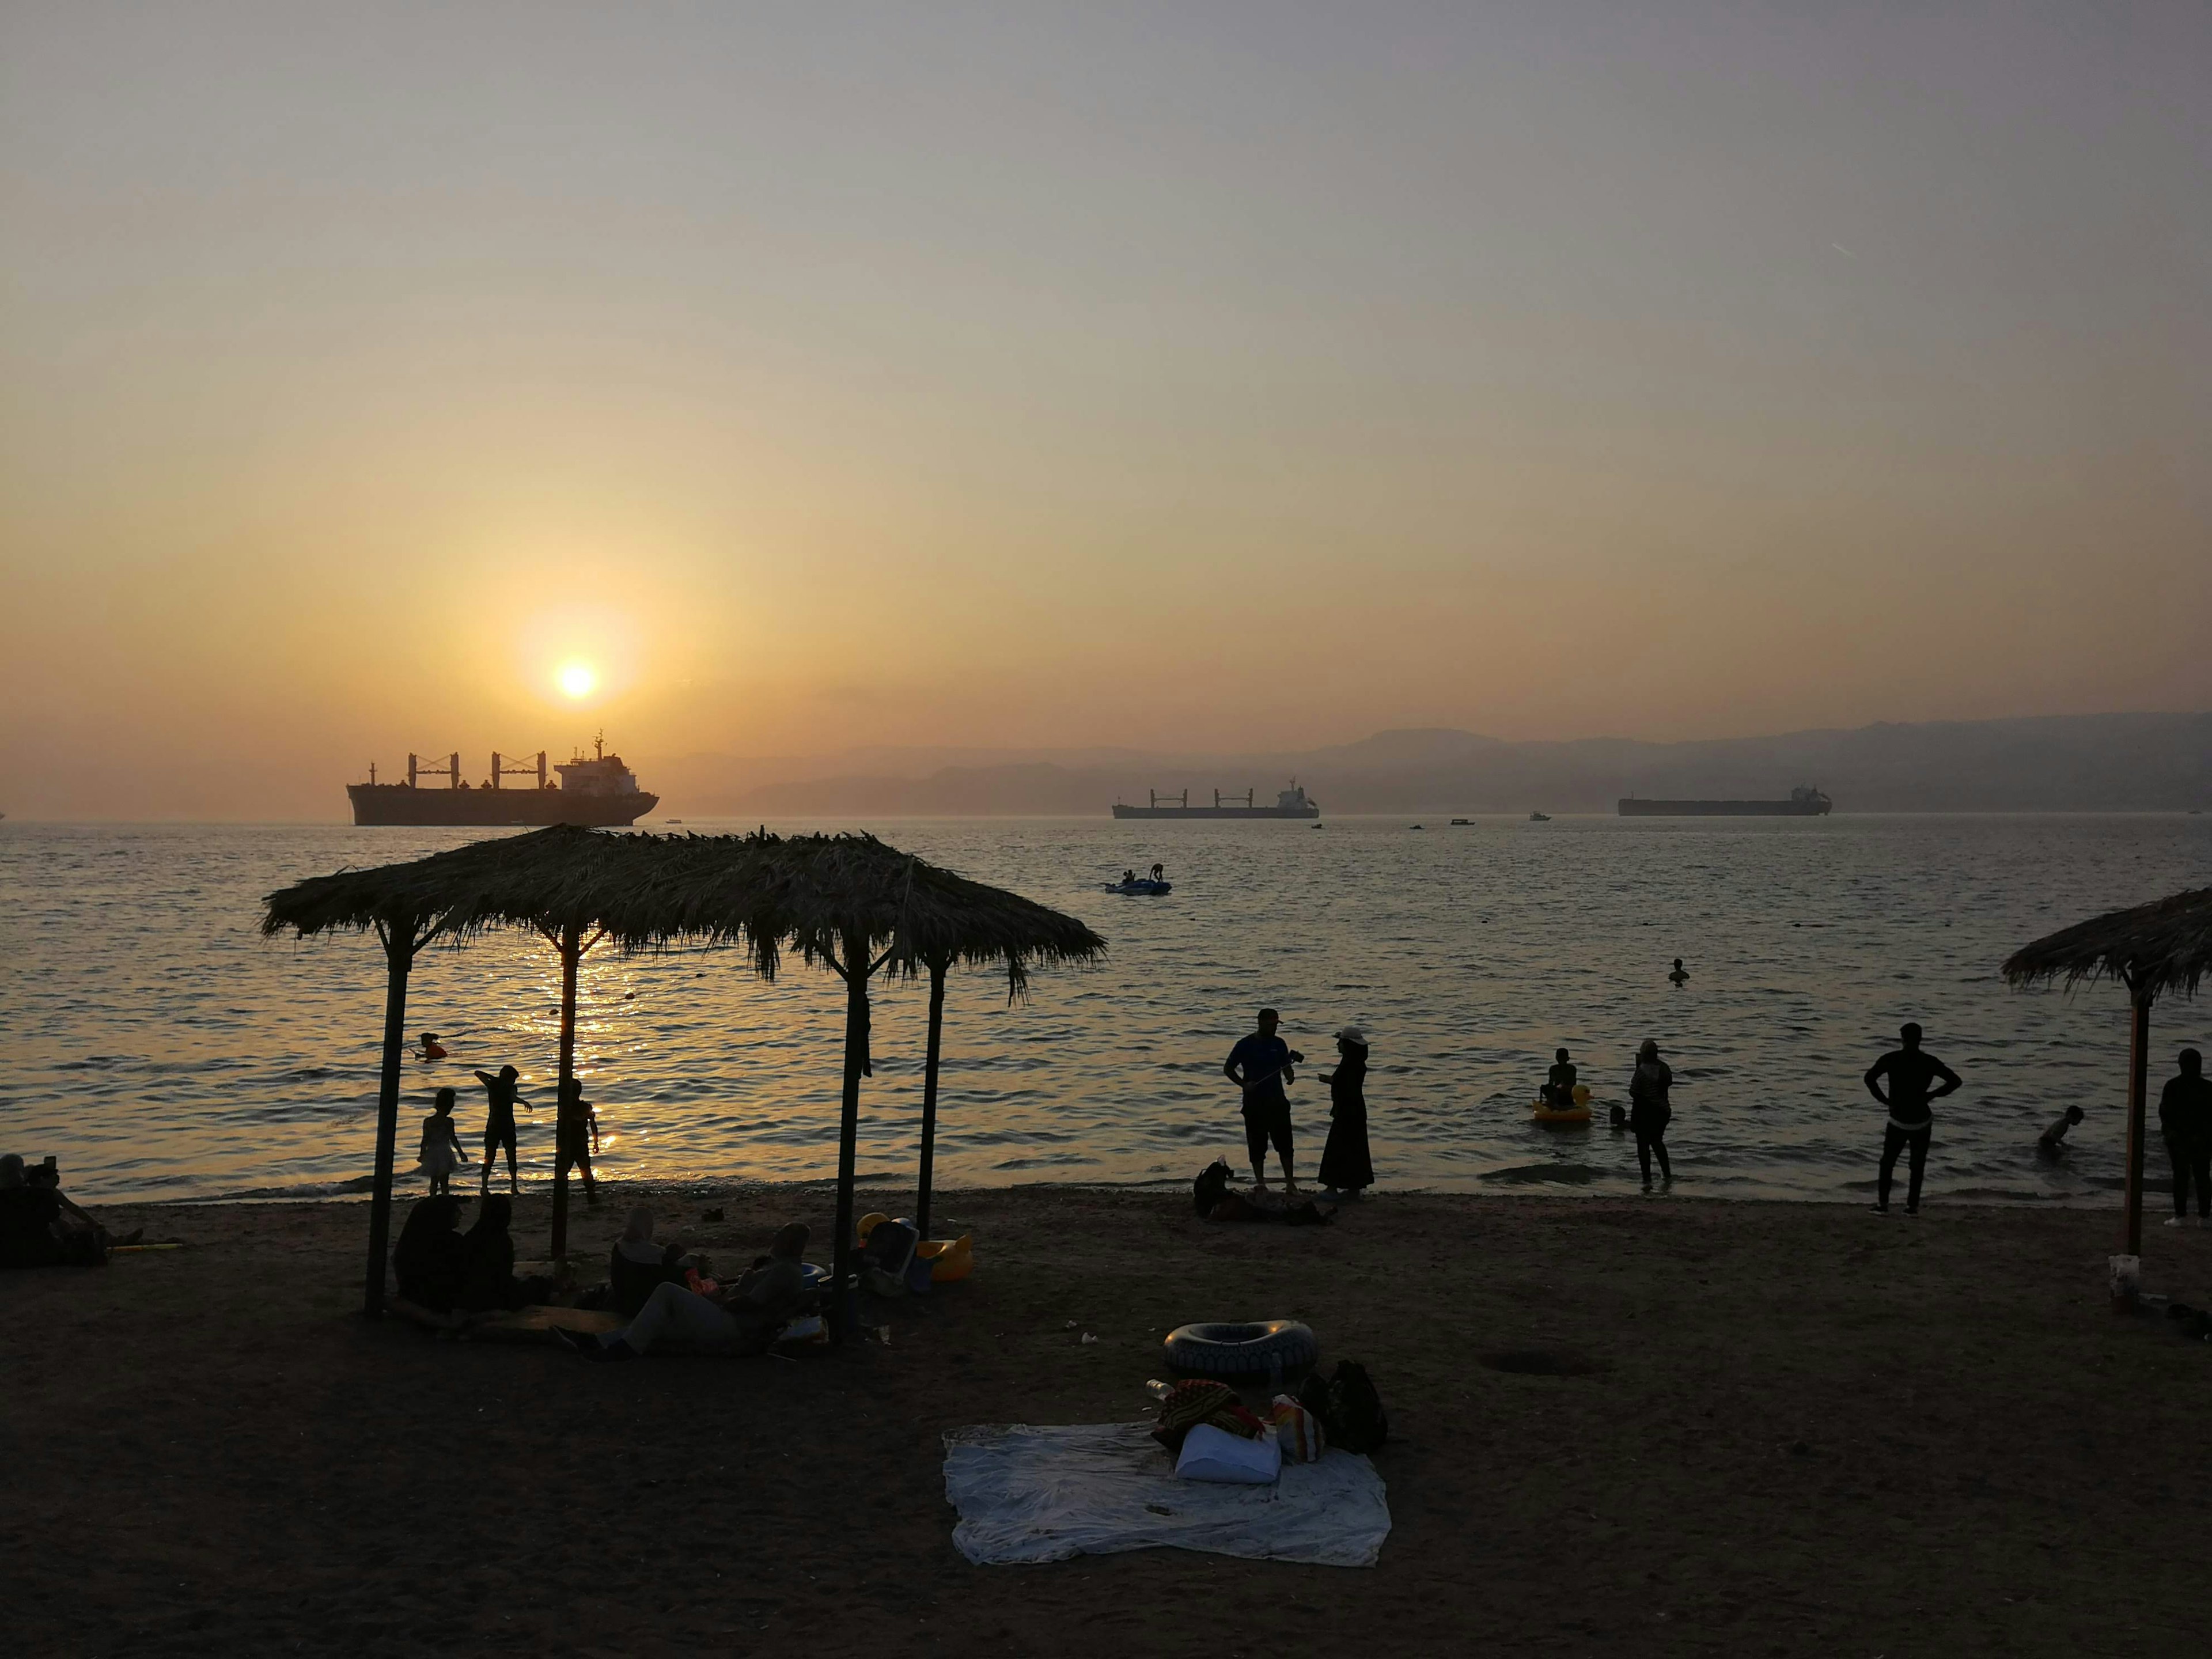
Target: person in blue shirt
[{"x": 1260, "y": 1065}]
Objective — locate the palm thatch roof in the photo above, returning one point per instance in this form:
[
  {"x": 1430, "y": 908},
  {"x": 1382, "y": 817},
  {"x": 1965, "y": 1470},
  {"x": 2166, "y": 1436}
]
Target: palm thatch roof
[
  {"x": 544, "y": 879},
  {"x": 769, "y": 894},
  {"x": 818, "y": 895},
  {"x": 2165, "y": 946}
]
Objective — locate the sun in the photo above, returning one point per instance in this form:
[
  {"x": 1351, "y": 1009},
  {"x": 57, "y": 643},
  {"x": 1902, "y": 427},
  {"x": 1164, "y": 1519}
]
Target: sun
[{"x": 577, "y": 679}]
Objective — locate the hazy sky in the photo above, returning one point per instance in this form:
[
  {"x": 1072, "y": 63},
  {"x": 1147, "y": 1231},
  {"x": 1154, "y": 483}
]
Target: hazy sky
[{"x": 1207, "y": 375}]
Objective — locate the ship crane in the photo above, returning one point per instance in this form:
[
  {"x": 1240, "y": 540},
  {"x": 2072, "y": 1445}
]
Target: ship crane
[
  {"x": 451, "y": 771},
  {"x": 501, "y": 769}
]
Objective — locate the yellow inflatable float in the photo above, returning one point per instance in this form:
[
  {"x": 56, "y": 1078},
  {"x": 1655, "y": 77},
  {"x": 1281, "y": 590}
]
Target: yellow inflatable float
[{"x": 1577, "y": 1113}]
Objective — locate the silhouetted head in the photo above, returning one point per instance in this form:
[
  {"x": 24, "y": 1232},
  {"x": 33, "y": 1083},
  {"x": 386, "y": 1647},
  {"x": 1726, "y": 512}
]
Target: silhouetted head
[
  {"x": 1678, "y": 962},
  {"x": 445, "y": 1103},
  {"x": 789, "y": 1242},
  {"x": 11, "y": 1171},
  {"x": 1910, "y": 1035},
  {"x": 2192, "y": 1062},
  {"x": 2073, "y": 1113},
  {"x": 1267, "y": 1022},
  {"x": 638, "y": 1229},
  {"x": 497, "y": 1216},
  {"x": 428, "y": 1037},
  {"x": 570, "y": 1088},
  {"x": 1560, "y": 1054},
  {"x": 507, "y": 1074},
  {"x": 1649, "y": 1050}
]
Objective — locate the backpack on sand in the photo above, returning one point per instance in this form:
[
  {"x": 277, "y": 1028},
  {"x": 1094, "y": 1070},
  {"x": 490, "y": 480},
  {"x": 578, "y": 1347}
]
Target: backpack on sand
[{"x": 1350, "y": 1409}]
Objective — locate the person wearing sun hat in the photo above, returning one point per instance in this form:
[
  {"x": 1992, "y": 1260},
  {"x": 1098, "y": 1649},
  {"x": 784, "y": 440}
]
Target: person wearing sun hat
[{"x": 1346, "y": 1170}]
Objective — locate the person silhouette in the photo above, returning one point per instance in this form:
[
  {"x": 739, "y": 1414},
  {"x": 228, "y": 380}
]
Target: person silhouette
[
  {"x": 576, "y": 1135},
  {"x": 1650, "y": 1111},
  {"x": 442, "y": 1152},
  {"x": 429, "y": 1048},
  {"x": 499, "y": 1122},
  {"x": 1159, "y": 873},
  {"x": 1559, "y": 1090},
  {"x": 2184, "y": 1114},
  {"x": 1909, "y": 1071},
  {"x": 1681, "y": 977},
  {"x": 1259, "y": 1065}
]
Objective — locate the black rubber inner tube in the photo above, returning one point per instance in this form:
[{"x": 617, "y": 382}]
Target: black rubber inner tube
[{"x": 1252, "y": 1349}]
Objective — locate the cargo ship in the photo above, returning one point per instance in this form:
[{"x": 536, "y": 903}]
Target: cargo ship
[
  {"x": 1801, "y": 804},
  {"x": 1292, "y": 803},
  {"x": 599, "y": 792}
]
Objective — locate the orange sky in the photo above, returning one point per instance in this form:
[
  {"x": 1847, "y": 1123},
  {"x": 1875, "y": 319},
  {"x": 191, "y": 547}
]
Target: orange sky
[{"x": 975, "y": 376}]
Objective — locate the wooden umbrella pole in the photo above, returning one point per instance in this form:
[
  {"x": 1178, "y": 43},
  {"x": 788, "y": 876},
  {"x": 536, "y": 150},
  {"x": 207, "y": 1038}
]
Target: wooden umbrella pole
[
  {"x": 855, "y": 971},
  {"x": 929, "y": 1097},
  {"x": 400, "y": 958},
  {"x": 572, "y": 952},
  {"x": 2138, "y": 1090}
]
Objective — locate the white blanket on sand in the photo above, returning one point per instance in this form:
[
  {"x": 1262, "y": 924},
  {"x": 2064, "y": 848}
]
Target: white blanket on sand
[{"x": 1045, "y": 1494}]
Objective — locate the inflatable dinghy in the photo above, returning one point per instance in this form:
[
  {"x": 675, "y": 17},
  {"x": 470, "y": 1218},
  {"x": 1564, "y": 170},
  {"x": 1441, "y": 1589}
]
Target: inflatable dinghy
[
  {"x": 1152, "y": 889},
  {"x": 1577, "y": 1113}
]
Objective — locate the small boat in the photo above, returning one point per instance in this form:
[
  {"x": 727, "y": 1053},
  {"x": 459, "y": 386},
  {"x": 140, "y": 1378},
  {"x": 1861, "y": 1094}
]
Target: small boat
[
  {"x": 1140, "y": 886},
  {"x": 1459, "y": 821},
  {"x": 1418, "y": 826},
  {"x": 1539, "y": 818}
]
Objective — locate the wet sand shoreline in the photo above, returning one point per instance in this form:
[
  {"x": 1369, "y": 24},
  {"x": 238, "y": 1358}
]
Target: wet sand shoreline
[{"x": 1796, "y": 1428}]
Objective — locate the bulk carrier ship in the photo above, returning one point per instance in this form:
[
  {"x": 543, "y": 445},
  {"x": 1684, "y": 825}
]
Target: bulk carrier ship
[
  {"x": 1801, "y": 804},
  {"x": 1290, "y": 803},
  {"x": 599, "y": 794}
]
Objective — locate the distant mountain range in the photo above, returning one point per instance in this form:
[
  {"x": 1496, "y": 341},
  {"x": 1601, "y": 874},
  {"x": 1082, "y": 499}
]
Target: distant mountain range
[{"x": 2098, "y": 763}]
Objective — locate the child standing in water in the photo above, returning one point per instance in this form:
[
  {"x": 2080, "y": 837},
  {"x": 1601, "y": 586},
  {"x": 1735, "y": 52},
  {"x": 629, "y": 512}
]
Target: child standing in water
[
  {"x": 576, "y": 1136},
  {"x": 442, "y": 1152}
]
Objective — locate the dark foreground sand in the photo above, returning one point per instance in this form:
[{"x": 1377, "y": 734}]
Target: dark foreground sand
[{"x": 1807, "y": 1431}]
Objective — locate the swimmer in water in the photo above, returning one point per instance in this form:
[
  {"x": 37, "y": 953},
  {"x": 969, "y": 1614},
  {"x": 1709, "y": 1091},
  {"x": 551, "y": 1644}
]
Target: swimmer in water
[
  {"x": 2053, "y": 1140},
  {"x": 429, "y": 1048},
  {"x": 1681, "y": 975}
]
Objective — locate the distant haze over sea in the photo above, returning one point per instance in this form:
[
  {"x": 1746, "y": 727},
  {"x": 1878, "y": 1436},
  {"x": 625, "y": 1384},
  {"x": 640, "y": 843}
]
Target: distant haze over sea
[{"x": 2101, "y": 763}]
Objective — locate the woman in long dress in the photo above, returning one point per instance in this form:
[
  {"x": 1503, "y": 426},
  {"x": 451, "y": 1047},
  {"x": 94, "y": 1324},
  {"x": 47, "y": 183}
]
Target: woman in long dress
[{"x": 1345, "y": 1168}]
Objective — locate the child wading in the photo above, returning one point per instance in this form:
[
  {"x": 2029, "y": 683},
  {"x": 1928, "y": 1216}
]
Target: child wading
[
  {"x": 442, "y": 1152},
  {"x": 577, "y": 1132}
]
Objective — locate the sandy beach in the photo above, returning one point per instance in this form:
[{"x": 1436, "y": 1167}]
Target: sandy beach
[{"x": 1795, "y": 1429}]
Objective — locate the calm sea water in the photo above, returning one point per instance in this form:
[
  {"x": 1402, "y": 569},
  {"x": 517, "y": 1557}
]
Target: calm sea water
[{"x": 160, "y": 1048}]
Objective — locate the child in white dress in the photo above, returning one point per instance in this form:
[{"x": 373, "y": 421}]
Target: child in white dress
[{"x": 441, "y": 1152}]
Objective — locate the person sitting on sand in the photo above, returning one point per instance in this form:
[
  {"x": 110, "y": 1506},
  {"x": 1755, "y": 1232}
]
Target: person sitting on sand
[
  {"x": 488, "y": 1280},
  {"x": 1910, "y": 1071},
  {"x": 499, "y": 1122},
  {"x": 2184, "y": 1114},
  {"x": 429, "y": 1046},
  {"x": 1558, "y": 1090},
  {"x": 1260, "y": 1065},
  {"x": 740, "y": 1318},
  {"x": 431, "y": 1258},
  {"x": 442, "y": 1152},
  {"x": 1681, "y": 977},
  {"x": 1346, "y": 1169},
  {"x": 39, "y": 1228},
  {"x": 1650, "y": 1111},
  {"x": 2053, "y": 1140},
  {"x": 638, "y": 1265},
  {"x": 576, "y": 1136}
]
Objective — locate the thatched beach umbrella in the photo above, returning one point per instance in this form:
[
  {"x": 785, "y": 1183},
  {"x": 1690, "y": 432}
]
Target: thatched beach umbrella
[
  {"x": 848, "y": 903},
  {"x": 2165, "y": 945},
  {"x": 551, "y": 881},
  {"x": 858, "y": 906}
]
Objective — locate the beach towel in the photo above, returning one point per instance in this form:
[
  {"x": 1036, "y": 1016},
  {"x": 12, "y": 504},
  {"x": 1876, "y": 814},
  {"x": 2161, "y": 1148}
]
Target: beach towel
[{"x": 1046, "y": 1494}]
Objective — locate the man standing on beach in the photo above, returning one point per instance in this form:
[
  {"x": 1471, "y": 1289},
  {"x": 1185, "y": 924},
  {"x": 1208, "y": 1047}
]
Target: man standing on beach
[
  {"x": 1910, "y": 1071},
  {"x": 1260, "y": 1065}
]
